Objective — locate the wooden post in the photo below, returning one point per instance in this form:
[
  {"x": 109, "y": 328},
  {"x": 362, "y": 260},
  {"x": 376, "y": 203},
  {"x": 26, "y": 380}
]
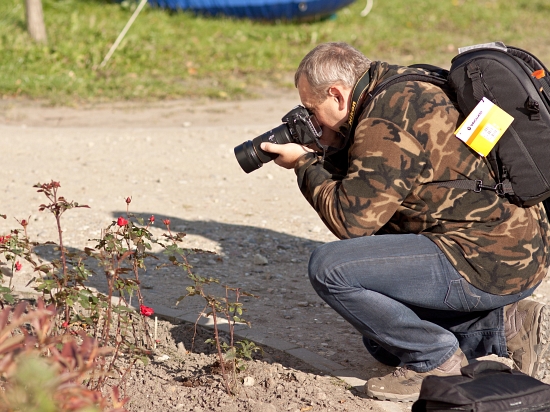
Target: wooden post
[{"x": 35, "y": 20}]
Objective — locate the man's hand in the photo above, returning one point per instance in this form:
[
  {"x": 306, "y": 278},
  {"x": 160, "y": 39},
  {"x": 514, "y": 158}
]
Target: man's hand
[{"x": 288, "y": 153}]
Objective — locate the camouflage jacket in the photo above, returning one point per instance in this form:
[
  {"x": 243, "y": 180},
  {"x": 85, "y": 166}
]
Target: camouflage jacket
[{"x": 405, "y": 140}]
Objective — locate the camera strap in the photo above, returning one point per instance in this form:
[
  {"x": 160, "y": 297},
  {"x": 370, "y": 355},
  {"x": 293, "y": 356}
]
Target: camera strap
[{"x": 356, "y": 96}]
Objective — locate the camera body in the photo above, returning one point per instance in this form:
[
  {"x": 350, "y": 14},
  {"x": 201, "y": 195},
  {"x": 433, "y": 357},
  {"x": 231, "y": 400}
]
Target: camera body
[{"x": 299, "y": 126}]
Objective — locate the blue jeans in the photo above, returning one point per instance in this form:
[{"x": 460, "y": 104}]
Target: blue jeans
[{"x": 407, "y": 300}]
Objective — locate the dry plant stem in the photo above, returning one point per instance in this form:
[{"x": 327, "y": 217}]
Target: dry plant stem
[
  {"x": 186, "y": 264},
  {"x": 99, "y": 318},
  {"x": 140, "y": 300},
  {"x": 156, "y": 330},
  {"x": 218, "y": 347},
  {"x": 231, "y": 322},
  {"x": 202, "y": 312},
  {"x": 111, "y": 364},
  {"x": 62, "y": 248},
  {"x": 11, "y": 277},
  {"x": 107, "y": 323},
  {"x": 63, "y": 261},
  {"x": 229, "y": 317},
  {"x": 57, "y": 211}
]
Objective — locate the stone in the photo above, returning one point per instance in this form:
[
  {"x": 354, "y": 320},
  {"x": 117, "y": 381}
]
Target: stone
[
  {"x": 260, "y": 260},
  {"x": 162, "y": 358},
  {"x": 249, "y": 381}
]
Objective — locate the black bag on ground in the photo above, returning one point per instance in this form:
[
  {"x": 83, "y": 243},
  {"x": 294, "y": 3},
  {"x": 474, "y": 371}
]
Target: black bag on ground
[
  {"x": 484, "y": 386},
  {"x": 517, "y": 82}
]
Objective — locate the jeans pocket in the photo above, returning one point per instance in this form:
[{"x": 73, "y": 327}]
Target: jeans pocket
[{"x": 461, "y": 297}]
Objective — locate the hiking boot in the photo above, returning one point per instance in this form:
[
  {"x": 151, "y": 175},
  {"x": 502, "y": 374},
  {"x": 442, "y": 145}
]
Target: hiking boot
[
  {"x": 527, "y": 331},
  {"x": 403, "y": 384}
]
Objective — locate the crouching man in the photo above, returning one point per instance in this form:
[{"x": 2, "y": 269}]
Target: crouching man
[{"x": 431, "y": 276}]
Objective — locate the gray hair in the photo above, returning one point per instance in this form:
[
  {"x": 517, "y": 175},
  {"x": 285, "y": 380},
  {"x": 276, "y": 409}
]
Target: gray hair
[{"x": 330, "y": 63}]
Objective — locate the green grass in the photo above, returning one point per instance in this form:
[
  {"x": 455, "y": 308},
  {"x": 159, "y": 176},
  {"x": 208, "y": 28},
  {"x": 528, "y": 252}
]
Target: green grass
[{"x": 173, "y": 55}]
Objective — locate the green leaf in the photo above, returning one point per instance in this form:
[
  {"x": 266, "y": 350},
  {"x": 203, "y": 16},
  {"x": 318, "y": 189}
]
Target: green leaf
[{"x": 231, "y": 354}]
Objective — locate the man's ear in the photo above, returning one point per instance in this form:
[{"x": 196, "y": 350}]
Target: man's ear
[{"x": 336, "y": 91}]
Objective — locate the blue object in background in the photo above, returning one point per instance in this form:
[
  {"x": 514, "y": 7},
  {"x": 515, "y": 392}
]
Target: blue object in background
[{"x": 257, "y": 9}]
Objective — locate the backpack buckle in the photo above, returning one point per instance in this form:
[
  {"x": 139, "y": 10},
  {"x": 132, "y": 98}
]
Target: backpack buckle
[
  {"x": 479, "y": 186},
  {"x": 499, "y": 189},
  {"x": 533, "y": 108},
  {"x": 473, "y": 71}
]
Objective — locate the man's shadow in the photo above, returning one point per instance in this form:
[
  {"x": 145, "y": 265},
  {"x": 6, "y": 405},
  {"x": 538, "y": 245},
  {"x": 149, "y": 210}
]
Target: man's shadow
[
  {"x": 237, "y": 258},
  {"x": 214, "y": 249}
]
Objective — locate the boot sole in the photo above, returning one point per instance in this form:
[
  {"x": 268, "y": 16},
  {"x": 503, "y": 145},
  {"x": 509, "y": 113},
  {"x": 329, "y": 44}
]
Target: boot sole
[
  {"x": 391, "y": 397},
  {"x": 541, "y": 343}
]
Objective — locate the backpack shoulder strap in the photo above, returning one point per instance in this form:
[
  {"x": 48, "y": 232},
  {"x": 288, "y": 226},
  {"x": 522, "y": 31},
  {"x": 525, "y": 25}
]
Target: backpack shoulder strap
[
  {"x": 360, "y": 99},
  {"x": 434, "y": 78}
]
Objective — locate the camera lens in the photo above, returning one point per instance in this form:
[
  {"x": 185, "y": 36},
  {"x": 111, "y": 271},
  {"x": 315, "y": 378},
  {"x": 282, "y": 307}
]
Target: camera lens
[{"x": 249, "y": 154}]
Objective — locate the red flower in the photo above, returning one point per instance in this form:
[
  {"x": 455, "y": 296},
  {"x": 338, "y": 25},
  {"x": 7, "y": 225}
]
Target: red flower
[
  {"x": 65, "y": 324},
  {"x": 166, "y": 222},
  {"x": 128, "y": 200},
  {"x": 24, "y": 223},
  {"x": 121, "y": 221},
  {"x": 152, "y": 219},
  {"x": 146, "y": 310},
  {"x": 18, "y": 266},
  {"x": 4, "y": 239}
]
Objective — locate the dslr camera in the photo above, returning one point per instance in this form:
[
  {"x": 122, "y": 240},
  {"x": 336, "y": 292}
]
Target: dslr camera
[{"x": 299, "y": 126}]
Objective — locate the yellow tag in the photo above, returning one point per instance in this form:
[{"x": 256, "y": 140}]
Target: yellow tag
[{"x": 484, "y": 126}]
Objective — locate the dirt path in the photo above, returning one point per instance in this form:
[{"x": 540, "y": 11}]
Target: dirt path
[{"x": 176, "y": 161}]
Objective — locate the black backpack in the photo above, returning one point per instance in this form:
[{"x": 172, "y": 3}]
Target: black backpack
[
  {"x": 518, "y": 83},
  {"x": 485, "y": 386}
]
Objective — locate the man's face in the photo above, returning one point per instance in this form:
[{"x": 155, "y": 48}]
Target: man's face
[{"x": 332, "y": 112}]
